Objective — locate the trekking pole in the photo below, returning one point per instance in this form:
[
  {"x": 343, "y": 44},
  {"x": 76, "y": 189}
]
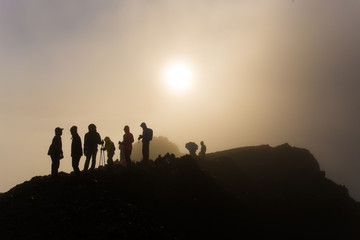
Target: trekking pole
[
  {"x": 100, "y": 159},
  {"x": 103, "y": 157}
]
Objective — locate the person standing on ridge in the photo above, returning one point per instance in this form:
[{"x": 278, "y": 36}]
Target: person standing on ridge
[
  {"x": 146, "y": 137},
  {"x": 128, "y": 139},
  {"x": 76, "y": 149},
  {"x": 202, "y": 150},
  {"x": 110, "y": 148},
  {"x": 91, "y": 140},
  {"x": 56, "y": 152}
]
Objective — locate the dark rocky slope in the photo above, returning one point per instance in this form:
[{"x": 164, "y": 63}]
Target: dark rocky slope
[{"x": 252, "y": 192}]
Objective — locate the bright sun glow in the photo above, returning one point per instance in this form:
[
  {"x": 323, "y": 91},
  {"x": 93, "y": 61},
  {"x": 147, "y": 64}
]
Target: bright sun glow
[{"x": 178, "y": 76}]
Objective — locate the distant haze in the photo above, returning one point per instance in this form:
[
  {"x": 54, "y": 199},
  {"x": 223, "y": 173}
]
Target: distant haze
[
  {"x": 159, "y": 146},
  {"x": 264, "y": 72}
]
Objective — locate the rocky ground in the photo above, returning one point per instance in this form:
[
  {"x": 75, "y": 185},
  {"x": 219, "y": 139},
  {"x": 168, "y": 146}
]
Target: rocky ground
[{"x": 254, "y": 192}]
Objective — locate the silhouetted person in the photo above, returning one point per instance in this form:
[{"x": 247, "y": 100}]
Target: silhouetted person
[
  {"x": 110, "y": 148},
  {"x": 56, "y": 152},
  {"x": 192, "y": 147},
  {"x": 126, "y": 144},
  {"x": 146, "y": 137},
  {"x": 202, "y": 150},
  {"x": 91, "y": 140},
  {"x": 76, "y": 149}
]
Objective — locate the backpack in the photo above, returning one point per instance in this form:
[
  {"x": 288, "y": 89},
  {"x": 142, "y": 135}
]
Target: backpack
[
  {"x": 50, "y": 149},
  {"x": 150, "y": 134}
]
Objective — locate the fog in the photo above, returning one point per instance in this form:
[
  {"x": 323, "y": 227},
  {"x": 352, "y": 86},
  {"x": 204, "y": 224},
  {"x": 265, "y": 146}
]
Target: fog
[{"x": 264, "y": 73}]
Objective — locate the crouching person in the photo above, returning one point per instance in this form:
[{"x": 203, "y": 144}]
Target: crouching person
[{"x": 110, "y": 148}]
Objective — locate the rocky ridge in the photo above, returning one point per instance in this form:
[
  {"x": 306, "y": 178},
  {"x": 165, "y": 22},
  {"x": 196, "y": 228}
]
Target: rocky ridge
[{"x": 252, "y": 192}]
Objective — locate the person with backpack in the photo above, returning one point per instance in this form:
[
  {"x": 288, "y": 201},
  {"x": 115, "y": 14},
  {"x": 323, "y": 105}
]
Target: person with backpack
[
  {"x": 110, "y": 148},
  {"x": 126, "y": 144},
  {"x": 91, "y": 140},
  {"x": 56, "y": 152},
  {"x": 146, "y": 137},
  {"x": 76, "y": 149}
]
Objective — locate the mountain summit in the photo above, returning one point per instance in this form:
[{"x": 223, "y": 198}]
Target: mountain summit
[{"x": 249, "y": 192}]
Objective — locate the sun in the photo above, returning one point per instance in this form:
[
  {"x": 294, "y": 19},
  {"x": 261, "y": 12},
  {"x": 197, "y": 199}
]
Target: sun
[{"x": 178, "y": 76}]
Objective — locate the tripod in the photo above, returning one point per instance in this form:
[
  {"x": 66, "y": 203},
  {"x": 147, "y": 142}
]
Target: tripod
[{"x": 102, "y": 158}]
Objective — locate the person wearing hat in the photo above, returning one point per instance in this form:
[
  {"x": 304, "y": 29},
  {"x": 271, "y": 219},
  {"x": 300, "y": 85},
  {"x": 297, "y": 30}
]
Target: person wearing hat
[
  {"x": 110, "y": 148},
  {"x": 56, "y": 152},
  {"x": 76, "y": 149},
  {"x": 91, "y": 140},
  {"x": 146, "y": 138}
]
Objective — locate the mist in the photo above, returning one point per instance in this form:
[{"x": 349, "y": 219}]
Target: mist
[{"x": 265, "y": 73}]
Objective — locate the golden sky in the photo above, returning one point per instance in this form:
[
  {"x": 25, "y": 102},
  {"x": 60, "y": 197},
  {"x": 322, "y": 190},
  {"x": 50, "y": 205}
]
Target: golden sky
[{"x": 262, "y": 72}]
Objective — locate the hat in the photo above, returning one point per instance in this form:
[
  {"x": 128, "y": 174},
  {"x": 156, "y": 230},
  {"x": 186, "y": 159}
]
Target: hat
[{"x": 58, "y": 129}]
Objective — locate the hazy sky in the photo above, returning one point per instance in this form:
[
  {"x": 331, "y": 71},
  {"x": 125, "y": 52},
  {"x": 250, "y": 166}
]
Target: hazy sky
[{"x": 263, "y": 72}]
